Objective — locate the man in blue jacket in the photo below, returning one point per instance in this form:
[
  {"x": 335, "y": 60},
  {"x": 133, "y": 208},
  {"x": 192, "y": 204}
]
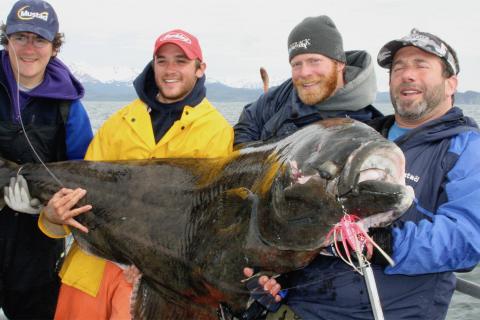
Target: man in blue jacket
[
  {"x": 38, "y": 90},
  {"x": 439, "y": 233},
  {"x": 326, "y": 82}
]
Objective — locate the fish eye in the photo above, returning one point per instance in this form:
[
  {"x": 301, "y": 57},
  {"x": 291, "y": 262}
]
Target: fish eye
[{"x": 328, "y": 170}]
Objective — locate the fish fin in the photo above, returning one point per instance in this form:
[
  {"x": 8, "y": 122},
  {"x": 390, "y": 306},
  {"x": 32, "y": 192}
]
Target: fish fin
[
  {"x": 236, "y": 205},
  {"x": 146, "y": 303},
  {"x": 154, "y": 303},
  {"x": 241, "y": 197}
]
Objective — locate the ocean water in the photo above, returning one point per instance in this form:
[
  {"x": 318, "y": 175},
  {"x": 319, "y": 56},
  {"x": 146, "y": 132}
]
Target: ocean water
[
  {"x": 99, "y": 111},
  {"x": 463, "y": 307}
]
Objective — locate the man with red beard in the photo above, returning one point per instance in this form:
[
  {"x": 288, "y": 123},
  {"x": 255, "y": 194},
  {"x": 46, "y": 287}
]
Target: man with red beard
[{"x": 326, "y": 83}]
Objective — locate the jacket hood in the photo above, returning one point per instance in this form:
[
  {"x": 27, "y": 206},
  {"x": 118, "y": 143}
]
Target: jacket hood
[
  {"x": 360, "y": 86},
  {"x": 58, "y": 82},
  {"x": 147, "y": 90}
]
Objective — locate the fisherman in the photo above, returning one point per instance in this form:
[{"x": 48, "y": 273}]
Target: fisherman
[
  {"x": 326, "y": 83},
  {"x": 439, "y": 233},
  {"x": 171, "y": 118},
  {"x": 39, "y": 99}
]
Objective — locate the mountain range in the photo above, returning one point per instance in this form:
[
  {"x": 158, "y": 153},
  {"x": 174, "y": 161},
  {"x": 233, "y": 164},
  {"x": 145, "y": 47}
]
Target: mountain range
[{"x": 97, "y": 90}]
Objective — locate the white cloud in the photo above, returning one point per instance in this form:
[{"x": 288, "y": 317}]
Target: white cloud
[{"x": 238, "y": 37}]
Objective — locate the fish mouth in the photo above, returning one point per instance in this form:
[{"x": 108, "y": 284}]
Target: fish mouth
[
  {"x": 370, "y": 197},
  {"x": 378, "y": 161},
  {"x": 373, "y": 180},
  {"x": 379, "y": 220}
]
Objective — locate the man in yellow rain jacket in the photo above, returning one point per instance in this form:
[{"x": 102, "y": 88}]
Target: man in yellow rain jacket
[{"x": 170, "y": 118}]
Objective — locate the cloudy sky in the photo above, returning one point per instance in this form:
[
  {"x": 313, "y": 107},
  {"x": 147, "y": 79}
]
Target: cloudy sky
[{"x": 238, "y": 37}]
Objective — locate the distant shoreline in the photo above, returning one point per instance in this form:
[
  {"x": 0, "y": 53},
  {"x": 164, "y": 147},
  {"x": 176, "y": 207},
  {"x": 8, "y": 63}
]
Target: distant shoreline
[
  {"x": 458, "y": 102},
  {"x": 221, "y": 93}
]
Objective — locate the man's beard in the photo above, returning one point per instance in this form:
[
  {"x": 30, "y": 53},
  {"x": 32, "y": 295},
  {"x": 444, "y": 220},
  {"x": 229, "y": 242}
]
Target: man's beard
[
  {"x": 416, "y": 109},
  {"x": 168, "y": 96},
  {"x": 327, "y": 83}
]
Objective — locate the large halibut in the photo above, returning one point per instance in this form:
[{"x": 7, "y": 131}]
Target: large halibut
[{"x": 191, "y": 225}]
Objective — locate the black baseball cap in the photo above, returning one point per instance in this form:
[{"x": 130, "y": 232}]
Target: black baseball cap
[{"x": 424, "y": 41}]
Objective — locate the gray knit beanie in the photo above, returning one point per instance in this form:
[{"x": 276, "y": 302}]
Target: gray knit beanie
[{"x": 316, "y": 35}]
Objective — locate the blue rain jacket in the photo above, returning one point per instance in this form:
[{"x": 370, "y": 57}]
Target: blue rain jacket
[{"x": 437, "y": 235}]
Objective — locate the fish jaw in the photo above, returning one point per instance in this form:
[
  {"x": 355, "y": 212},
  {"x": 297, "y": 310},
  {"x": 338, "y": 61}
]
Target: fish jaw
[
  {"x": 373, "y": 181},
  {"x": 377, "y": 197},
  {"x": 359, "y": 173}
]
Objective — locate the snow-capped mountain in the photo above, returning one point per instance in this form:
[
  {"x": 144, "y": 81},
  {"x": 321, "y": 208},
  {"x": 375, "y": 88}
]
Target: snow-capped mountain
[
  {"x": 115, "y": 84},
  {"x": 245, "y": 83},
  {"x": 237, "y": 83},
  {"x": 86, "y": 73},
  {"x": 109, "y": 74}
]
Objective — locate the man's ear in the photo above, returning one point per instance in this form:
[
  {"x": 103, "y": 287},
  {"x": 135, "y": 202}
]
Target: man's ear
[
  {"x": 201, "y": 70},
  {"x": 451, "y": 85}
]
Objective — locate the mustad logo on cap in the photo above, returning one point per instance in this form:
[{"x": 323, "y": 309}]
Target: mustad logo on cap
[
  {"x": 176, "y": 36},
  {"x": 24, "y": 14}
]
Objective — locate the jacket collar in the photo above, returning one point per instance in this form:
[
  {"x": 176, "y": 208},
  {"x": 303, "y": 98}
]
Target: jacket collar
[
  {"x": 360, "y": 86},
  {"x": 138, "y": 118}
]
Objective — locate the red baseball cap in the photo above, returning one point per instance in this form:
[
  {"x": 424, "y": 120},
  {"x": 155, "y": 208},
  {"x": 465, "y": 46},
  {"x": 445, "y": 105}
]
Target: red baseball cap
[{"x": 187, "y": 42}]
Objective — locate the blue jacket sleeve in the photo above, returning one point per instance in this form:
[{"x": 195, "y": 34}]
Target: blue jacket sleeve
[
  {"x": 451, "y": 240},
  {"x": 257, "y": 115},
  {"x": 78, "y": 131},
  {"x": 250, "y": 124}
]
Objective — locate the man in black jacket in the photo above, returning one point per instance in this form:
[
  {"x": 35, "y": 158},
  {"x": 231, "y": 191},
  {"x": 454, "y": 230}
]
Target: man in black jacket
[{"x": 326, "y": 83}]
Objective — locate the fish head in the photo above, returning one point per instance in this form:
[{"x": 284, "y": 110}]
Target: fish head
[{"x": 328, "y": 169}]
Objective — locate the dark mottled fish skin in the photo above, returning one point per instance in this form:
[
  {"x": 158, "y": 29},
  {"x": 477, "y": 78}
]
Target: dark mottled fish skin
[{"x": 191, "y": 225}]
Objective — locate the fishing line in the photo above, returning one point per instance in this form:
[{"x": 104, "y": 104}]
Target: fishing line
[
  {"x": 320, "y": 280},
  {"x": 68, "y": 240},
  {"x": 306, "y": 284},
  {"x": 17, "y": 107}
]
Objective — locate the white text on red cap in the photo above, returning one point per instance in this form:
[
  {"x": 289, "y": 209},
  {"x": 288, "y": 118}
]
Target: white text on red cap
[{"x": 176, "y": 36}]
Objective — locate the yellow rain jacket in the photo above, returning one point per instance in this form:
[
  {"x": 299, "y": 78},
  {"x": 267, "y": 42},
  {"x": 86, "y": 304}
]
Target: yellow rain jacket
[{"x": 201, "y": 132}]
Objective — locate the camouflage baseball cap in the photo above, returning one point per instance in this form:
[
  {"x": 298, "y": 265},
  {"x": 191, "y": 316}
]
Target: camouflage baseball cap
[{"x": 422, "y": 40}]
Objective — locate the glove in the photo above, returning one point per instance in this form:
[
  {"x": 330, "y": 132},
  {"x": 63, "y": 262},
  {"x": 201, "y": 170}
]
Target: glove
[{"x": 17, "y": 196}]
